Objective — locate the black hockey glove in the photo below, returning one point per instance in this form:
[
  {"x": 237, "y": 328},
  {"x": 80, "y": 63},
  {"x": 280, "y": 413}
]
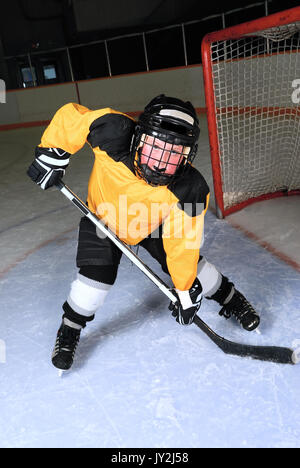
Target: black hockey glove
[
  {"x": 48, "y": 167},
  {"x": 188, "y": 304}
]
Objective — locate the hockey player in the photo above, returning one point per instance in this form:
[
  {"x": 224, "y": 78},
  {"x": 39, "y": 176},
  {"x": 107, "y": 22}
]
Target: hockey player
[{"x": 148, "y": 162}]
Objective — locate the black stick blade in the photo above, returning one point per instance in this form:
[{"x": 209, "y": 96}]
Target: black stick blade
[{"x": 263, "y": 353}]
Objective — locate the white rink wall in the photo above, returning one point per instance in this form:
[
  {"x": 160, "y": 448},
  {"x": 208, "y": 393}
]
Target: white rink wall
[
  {"x": 35, "y": 104},
  {"x": 130, "y": 93},
  {"x": 127, "y": 93}
]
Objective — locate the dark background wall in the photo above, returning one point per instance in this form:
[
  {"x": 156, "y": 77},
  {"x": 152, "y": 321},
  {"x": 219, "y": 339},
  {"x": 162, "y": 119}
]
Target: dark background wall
[{"x": 31, "y": 26}]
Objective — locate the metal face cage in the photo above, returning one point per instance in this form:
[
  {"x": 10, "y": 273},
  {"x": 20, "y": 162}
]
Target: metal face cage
[
  {"x": 159, "y": 160},
  {"x": 165, "y": 140}
]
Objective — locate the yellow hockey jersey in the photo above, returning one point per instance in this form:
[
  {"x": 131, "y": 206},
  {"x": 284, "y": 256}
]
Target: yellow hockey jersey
[{"x": 129, "y": 206}]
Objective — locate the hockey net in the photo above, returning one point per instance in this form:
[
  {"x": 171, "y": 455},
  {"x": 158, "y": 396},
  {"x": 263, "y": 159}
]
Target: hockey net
[{"x": 251, "y": 74}]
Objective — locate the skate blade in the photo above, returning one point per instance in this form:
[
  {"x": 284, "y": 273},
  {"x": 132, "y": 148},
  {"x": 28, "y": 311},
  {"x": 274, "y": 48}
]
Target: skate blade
[
  {"x": 256, "y": 330},
  {"x": 61, "y": 373}
]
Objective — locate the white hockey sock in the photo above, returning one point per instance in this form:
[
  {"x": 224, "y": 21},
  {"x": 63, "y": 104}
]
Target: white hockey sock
[
  {"x": 209, "y": 277},
  {"x": 86, "y": 296},
  {"x": 71, "y": 324},
  {"x": 211, "y": 281}
]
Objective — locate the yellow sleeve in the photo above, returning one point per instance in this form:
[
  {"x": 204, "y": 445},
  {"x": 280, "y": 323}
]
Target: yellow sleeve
[
  {"x": 182, "y": 236},
  {"x": 70, "y": 127}
]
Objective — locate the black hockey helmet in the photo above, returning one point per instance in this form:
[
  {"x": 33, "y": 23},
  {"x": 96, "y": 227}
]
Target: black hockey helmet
[{"x": 169, "y": 123}]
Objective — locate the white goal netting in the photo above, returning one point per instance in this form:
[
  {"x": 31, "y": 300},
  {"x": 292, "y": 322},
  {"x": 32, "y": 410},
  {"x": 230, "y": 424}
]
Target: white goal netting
[{"x": 258, "y": 112}]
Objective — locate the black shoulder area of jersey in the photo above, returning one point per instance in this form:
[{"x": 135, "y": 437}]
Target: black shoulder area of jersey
[
  {"x": 191, "y": 190},
  {"x": 113, "y": 134}
]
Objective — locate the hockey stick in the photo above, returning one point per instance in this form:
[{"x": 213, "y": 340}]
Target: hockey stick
[
  {"x": 276, "y": 354},
  {"x": 264, "y": 353}
]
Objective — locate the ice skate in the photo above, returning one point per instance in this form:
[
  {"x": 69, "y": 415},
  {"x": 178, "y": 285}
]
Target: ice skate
[
  {"x": 65, "y": 347},
  {"x": 242, "y": 310}
]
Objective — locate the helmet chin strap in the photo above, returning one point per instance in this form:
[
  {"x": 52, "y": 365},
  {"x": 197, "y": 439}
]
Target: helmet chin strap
[
  {"x": 157, "y": 169},
  {"x": 155, "y": 177}
]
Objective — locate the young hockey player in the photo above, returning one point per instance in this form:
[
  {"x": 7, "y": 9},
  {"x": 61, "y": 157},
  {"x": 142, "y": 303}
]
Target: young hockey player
[{"x": 148, "y": 162}]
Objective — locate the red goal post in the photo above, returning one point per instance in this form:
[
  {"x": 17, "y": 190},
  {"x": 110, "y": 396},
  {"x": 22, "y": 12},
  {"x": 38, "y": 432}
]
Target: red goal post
[{"x": 252, "y": 90}]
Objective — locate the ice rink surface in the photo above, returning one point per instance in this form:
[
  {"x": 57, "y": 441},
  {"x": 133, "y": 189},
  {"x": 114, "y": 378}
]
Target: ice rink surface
[{"x": 139, "y": 378}]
